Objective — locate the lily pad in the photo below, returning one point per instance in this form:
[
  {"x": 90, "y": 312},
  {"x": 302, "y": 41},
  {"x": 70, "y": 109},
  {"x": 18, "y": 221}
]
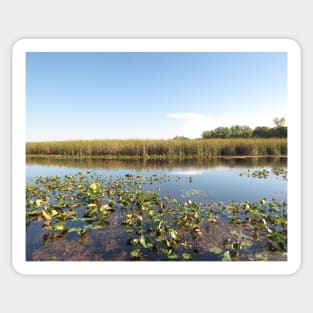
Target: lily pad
[
  {"x": 226, "y": 256},
  {"x": 216, "y": 250},
  {"x": 136, "y": 253},
  {"x": 187, "y": 256},
  {"x": 59, "y": 225}
]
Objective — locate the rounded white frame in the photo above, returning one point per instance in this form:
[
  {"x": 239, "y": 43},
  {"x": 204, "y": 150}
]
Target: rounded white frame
[{"x": 155, "y": 45}]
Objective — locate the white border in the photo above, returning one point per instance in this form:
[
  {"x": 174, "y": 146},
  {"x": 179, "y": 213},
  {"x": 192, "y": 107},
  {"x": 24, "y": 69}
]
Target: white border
[{"x": 155, "y": 45}]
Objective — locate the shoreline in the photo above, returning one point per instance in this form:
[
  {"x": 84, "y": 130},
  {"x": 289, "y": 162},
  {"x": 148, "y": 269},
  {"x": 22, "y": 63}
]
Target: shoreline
[
  {"x": 229, "y": 157},
  {"x": 152, "y": 157}
]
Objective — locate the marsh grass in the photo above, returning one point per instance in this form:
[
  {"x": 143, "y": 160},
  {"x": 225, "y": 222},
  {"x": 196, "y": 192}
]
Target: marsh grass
[{"x": 158, "y": 149}]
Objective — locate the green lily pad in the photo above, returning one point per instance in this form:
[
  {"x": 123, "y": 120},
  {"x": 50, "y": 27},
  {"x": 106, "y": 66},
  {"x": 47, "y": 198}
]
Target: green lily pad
[
  {"x": 136, "y": 253},
  {"x": 187, "y": 256},
  {"x": 226, "y": 256},
  {"x": 144, "y": 243},
  {"x": 216, "y": 250},
  {"x": 172, "y": 256},
  {"x": 59, "y": 225}
]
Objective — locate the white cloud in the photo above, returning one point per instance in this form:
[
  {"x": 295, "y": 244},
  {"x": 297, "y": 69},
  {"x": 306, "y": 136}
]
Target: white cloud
[
  {"x": 194, "y": 128},
  {"x": 194, "y": 124},
  {"x": 185, "y": 116}
]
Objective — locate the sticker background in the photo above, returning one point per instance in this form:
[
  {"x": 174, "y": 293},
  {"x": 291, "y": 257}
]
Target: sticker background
[{"x": 146, "y": 19}]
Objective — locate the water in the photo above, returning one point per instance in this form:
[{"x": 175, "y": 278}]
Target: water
[
  {"x": 214, "y": 180},
  {"x": 209, "y": 181}
]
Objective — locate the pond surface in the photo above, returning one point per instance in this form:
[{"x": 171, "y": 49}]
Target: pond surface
[{"x": 150, "y": 201}]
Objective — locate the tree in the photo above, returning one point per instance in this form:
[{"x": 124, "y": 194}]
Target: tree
[
  {"x": 279, "y": 122},
  {"x": 207, "y": 134},
  {"x": 238, "y": 131},
  {"x": 261, "y": 132},
  {"x": 278, "y": 132},
  {"x": 222, "y": 132},
  {"x": 180, "y": 138},
  {"x": 246, "y": 131}
]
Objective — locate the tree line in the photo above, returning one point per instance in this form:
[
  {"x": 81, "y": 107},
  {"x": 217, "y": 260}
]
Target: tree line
[{"x": 238, "y": 131}]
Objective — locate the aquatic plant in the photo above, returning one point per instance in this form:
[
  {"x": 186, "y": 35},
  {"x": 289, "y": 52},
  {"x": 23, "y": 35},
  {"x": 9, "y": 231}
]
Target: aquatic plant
[
  {"x": 155, "y": 227},
  {"x": 279, "y": 173}
]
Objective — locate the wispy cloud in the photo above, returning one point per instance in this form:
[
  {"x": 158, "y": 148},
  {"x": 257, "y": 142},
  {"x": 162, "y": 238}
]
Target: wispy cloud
[
  {"x": 194, "y": 128},
  {"x": 185, "y": 116},
  {"x": 192, "y": 123}
]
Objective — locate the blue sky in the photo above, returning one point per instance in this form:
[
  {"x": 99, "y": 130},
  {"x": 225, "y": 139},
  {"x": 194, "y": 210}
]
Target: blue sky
[{"x": 150, "y": 95}]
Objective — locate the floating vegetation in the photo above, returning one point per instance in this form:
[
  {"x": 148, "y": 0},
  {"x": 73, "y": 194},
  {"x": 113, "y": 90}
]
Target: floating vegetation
[
  {"x": 140, "y": 223},
  {"x": 279, "y": 173},
  {"x": 194, "y": 193}
]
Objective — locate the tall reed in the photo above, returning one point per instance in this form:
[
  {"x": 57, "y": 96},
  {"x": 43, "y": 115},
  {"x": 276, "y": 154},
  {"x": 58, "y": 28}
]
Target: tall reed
[{"x": 167, "y": 149}]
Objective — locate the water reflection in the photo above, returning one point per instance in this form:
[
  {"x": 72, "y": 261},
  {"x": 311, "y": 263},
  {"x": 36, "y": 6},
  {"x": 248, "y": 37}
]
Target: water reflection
[{"x": 159, "y": 164}]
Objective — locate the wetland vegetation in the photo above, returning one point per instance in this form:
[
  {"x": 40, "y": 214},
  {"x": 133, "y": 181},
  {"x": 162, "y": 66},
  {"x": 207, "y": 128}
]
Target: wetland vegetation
[
  {"x": 178, "y": 149},
  {"x": 212, "y": 210}
]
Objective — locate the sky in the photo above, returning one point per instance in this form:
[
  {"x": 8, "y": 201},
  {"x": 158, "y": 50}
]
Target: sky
[{"x": 123, "y": 95}]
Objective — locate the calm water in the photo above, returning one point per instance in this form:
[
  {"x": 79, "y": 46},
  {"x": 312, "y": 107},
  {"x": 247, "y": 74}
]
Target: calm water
[
  {"x": 215, "y": 180},
  {"x": 209, "y": 181}
]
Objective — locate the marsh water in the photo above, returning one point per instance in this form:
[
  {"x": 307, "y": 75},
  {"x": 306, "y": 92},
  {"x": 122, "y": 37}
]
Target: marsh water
[{"x": 207, "y": 181}]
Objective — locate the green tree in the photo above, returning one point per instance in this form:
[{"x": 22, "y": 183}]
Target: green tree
[
  {"x": 279, "y": 122},
  {"x": 238, "y": 131},
  {"x": 278, "y": 132},
  {"x": 180, "y": 138},
  {"x": 207, "y": 134},
  {"x": 261, "y": 132},
  {"x": 246, "y": 131},
  {"x": 222, "y": 132}
]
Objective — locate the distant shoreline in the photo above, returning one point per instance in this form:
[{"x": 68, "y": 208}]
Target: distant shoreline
[
  {"x": 151, "y": 157},
  {"x": 229, "y": 157}
]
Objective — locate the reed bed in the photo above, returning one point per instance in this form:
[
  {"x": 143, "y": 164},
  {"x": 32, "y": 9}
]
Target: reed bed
[{"x": 158, "y": 149}]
